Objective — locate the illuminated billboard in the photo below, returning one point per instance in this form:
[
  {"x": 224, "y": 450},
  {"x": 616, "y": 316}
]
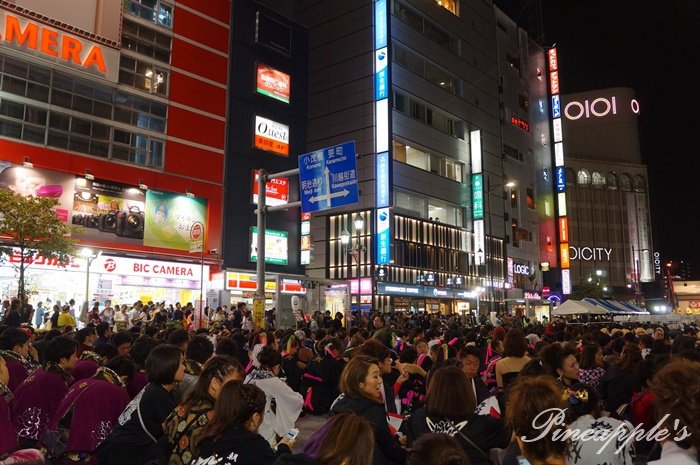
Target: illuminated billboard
[
  {"x": 276, "y": 246},
  {"x": 271, "y": 136},
  {"x": 273, "y": 83},
  {"x": 276, "y": 191}
]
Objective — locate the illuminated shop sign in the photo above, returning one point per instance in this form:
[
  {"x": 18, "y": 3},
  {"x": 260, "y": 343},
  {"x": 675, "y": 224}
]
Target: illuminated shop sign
[
  {"x": 383, "y": 236},
  {"x": 276, "y": 249},
  {"x": 560, "y": 178},
  {"x": 382, "y": 87},
  {"x": 521, "y": 123},
  {"x": 556, "y": 106},
  {"x": 478, "y": 195},
  {"x": 566, "y": 282},
  {"x": 273, "y": 83},
  {"x": 271, "y": 136},
  {"x": 596, "y": 108},
  {"x": 590, "y": 253},
  {"x": 54, "y": 45},
  {"x": 276, "y": 191},
  {"x": 382, "y": 181}
]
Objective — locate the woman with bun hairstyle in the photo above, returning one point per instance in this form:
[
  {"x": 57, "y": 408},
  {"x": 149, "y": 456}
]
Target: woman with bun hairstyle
[
  {"x": 561, "y": 363},
  {"x": 288, "y": 404},
  {"x": 336, "y": 443},
  {"x": 360, "y": 387},
  {"x": 231, "y": 437}
]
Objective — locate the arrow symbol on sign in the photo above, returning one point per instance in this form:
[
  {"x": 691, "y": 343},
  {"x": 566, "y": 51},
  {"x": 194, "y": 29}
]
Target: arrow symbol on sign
[{"x": 319, "y": 198}]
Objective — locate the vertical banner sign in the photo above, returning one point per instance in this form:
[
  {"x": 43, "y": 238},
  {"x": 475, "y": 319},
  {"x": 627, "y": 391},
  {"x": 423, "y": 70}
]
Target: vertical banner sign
[
  {"x": 560, "y": 169},
  {"x": 477, "y": 196},
  {"x": 382, "y": 87},
  {"x": 383, "y": 235}
]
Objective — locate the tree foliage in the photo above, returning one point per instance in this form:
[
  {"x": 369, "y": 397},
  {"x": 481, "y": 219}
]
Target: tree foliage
[
  {"x": 31, "y": 225},
  {"x": 587, "y": 288}
]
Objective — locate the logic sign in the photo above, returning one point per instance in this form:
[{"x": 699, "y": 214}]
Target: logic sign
[{"x": 328, "y": 178}]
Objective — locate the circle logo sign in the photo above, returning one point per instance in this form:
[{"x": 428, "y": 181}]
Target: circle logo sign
[
  {"x": 196, "y": 231},
  {"x": 110, "y": 265}
]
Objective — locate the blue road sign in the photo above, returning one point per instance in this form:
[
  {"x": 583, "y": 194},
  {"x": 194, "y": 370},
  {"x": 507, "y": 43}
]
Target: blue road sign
[{"x": 328, "y": 178}]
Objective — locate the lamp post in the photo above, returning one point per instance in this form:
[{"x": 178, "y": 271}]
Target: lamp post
[
  {"x": 355, "y": 249},
  {"x": 489, "y": 252},
  {"x": 89, "y": 255}
]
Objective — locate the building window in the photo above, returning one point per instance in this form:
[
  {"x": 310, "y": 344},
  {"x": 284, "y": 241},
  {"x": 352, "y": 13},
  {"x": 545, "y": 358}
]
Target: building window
[
  {"x": 79, "y": 115},
  {"x": 143, "y": 76},
  {"x": 425, "y": 27},
  {"x": 625, "y": 182},
  {"x": 611, "y": 180},
  {"x": 450, "y": 5},
  {"x": 583, "y": 177},
  {"x": 531, "y": 198},
  {"x": 428, "y": 70},
  {"x": 422, "y": 159},
  {"x": 423, "y": 113},
  {"x": 146, "y": 41},
  {"x": 427, "y": 208},
  {"x": 597, "y": 179},
  {"x": 512, "y": 152},
  {"x": 640, "y": 184},
  {"x": 514, "y": 197},
  {"x": 155, "y": 11}
]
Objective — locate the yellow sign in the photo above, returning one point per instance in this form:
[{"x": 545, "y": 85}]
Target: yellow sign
[{"x": 259, "y": 312}]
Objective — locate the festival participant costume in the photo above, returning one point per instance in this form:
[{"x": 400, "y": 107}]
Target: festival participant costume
[
  {"x": 87, "y": 366},
  {"x": 18, "y": 366},
  {"x": 37, "y": 399},
  {"x": 237, "y": 446}
]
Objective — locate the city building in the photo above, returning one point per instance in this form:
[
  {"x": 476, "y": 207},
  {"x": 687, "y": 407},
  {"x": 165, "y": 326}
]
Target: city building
[
  {"x": 118, "y": 110},
  {"x": 607, "y": 194},
  {"x": 439, "y": 114}
]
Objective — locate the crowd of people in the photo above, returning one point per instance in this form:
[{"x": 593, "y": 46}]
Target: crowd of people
[{"x": 390, "y": 389}]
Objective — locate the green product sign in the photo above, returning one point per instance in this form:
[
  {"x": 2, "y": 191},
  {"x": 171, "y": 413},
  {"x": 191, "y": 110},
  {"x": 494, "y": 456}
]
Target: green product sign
[
  {"x": 478, "y": 196},
  {"x": 276, "y": 246},
  {"x": 174, "y": 221}
]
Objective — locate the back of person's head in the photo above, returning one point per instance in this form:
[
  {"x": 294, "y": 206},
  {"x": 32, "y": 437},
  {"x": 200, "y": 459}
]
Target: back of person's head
[
  {"x": 587, "y": 360},
  {"x": 450, "y": 394},
  {"x": 554, "y": 356},
  {"x": 226, "y": 346},
  {"x": 178, "y": 337},
  {"x": 200, "y": 349},
  {"x": 122, "y": 366},
  {"x": 384, "y": 336},
  {"x": 535, "y": 367},
  {"x": 221, "y": 368},
  {"x": 269, "y": 357},
  {"x": 677, "y": 390},
  {"x": 631, "y": 357},
  {"x": 12, "y": 337},
  {"x": 236, "y": 404},
  {"x": 527, "y": 398},
  {"x": 106, "y": 351},
  {"x": 514, "y": 344},
  {"x": 140, "y": 349},
  {"x": 408, "y": 355},
  {"x": 58, "y": 348},
  {"x": 436, "y": 449},
  {"x": 82, "y": 334},
  {"x": 102, "y": 329},
  {"x": 581, "y": 400},
  {"x": 163, "y": 363},
  {"x": 328, "y": 344},
  {"x": 354, "y": 373},
  {"x": 373, "y": 349},
  {"x": 120, "y": 338},
  {"x": 336, "y": 443}
]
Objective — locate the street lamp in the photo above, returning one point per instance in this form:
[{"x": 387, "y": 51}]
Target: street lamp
[
  {"x": 89, "y": 255},
  {"x": 355, "y": 249},
  {"x": 489, "y": 252}
]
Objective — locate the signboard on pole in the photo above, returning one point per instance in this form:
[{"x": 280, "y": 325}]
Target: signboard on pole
[{"x": 328, "y": 178}]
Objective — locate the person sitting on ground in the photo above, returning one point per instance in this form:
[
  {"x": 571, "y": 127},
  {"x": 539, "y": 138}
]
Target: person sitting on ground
[
  {"x": 514, "y": 358},
  {"x": 336, "y": 443},
  {"x": 231, "y": 437},
  {"x": 199, "y": 350},
  {"x": 15, "y": 348},
  {"x": 186, "y": 423}
]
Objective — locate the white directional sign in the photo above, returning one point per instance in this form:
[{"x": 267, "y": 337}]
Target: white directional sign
[{"x": 328, "y": 178}]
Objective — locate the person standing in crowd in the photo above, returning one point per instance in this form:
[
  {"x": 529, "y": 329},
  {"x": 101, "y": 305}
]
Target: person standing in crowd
[
  {"x": 336, "y": 443},
  {"x": 121, "y": 320},
  {"x": 15, "y": 348},
  {"x": 12, "y": 317},
  {"x": 450, "y": 408},
  {"x": 65, "y": 318},
  {"x": 231, "y": 437},
  {"x": 360, "y": 387},
  {"x": 39, "y": 315},
  {"x": 276, "y": 421},
  {"x": 514, "y": 358},
  {"x": 591, "y": 366},
  {"x": 135, "y": 438},
  {"x": 621, "y": 379},
  {"x": 185, "y": 425},
  {"x": 107, "y": 314},
  {"x": 37, "y": 398}
]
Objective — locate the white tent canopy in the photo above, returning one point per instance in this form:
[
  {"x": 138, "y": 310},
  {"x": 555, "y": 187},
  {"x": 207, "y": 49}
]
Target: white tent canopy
[{"x": 578, "y": 307}]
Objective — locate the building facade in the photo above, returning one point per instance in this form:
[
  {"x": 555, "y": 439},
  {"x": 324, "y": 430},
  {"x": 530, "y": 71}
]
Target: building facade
[{"x": 118, "y": 109}]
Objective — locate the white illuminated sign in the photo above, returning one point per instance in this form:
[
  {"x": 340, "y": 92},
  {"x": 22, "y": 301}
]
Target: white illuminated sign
[
  {"x": 558, "y": 133},
  {"x": 475, "y": 148},
  {"x": 382, "y": 114},
  {"x": 479, "y": 242},
  {"x": 561, "y": 200},
  {"x": 596, "y": 108},
  {"x": 559, "y": 154},
  {"x": 566, "y": 282},
  {"x": 589, "y": 253}
]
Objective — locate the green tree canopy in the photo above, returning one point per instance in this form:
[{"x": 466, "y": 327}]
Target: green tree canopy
[{"x": 31, "y": 225}]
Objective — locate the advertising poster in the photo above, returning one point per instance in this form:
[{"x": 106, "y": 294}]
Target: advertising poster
[
  {"x": 39, "y": 183},
  {"x": 273, "y": 83},
  {"x": 107, "y": 211},
  {"x": 173, "y": 221},
  {"x": 276, "y": 246}
]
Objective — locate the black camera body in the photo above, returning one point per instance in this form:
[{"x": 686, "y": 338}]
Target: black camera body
[
  {"x": 130, "y": 224},
  {"x": 78, "y": 220},
  {"x": 108, "y": 222},
  {"x": 92, "y": 221}
]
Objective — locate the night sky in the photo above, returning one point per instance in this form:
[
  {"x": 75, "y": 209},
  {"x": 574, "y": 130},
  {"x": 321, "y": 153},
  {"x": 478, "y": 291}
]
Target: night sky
[{"x": 654, "y": 48}]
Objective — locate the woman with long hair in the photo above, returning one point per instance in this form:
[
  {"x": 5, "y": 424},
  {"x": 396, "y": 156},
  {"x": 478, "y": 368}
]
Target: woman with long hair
[
  {"x": 621, "y": 380},
  {"x": 231, "y": 436},
  {"x": 135, "y": 439},
  {"x": 186, "y": 423},
  {"x": 360, "y": 387},
  {"x": 335, "y": 443},
  {"x": 591, "y": 366},
  {"x": 450, "y": 408},
  {"x": 287, "y": 403}
]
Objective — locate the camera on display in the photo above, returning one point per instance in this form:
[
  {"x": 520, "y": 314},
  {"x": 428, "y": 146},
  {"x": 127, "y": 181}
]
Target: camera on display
[
  {"x": 130, "y": 224},
  {"x": 108, "y": 222}
]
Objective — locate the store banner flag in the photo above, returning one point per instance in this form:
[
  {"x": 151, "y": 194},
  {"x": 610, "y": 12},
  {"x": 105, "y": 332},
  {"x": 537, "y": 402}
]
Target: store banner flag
[{"x": 173, "y": 221}]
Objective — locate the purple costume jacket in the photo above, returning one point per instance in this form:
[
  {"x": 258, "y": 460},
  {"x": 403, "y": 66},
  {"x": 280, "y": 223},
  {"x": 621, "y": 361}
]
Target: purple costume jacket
[
  {"x": 18, "y": 373},
  {"x": 36, "y": 401},
  {"x": 84, "y": 369},
  {"x": 97, "y": 405},
  {"x": 137, "y": 383},
  {"x": 8, "y": 435}
]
